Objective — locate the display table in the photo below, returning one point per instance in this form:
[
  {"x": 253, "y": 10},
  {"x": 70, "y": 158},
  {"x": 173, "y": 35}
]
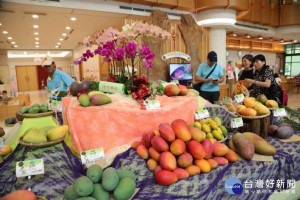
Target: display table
[
  {"x": 9, "y": 108},
  {"x": 116, "y": 125}
]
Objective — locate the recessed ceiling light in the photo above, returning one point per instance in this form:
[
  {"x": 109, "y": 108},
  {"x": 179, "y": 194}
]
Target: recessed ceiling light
[
  {"x": 68, "y": 27},
  {"x": 73, "y": 18},
  {"x": 36, "y": 53},
  {"x": 4, "y": 32},
  {"x": 35, "y": 26},
  {"x": 260, "y": 38},
  {"x": 58, "y": 43},
  {"x": 25, "y": 52},
  {"x": 35, "y": 16},
  {"x": 36, "y": 38},
  {"x": 16, "y": 46},
  {"x": 36, "y": 33},
  {"x": 0, "y": 24},
  {"x": 9, "y": 38},
  {"x": 37, "y": 46},
  {"x": 234, "y": 34},
  {"x": 295, "y": 41},
  {"x": 248, "y": 36},
  {"x": 48, "y": 52},
  {"x": 61, "y": 39},
  {"x": 13, "y": 42},
  {"x": 281, "y": 40},
  {"x": 36, "y": 42},
  {"x": 56, "y": 46},
  {"x": 64, "y": 34}
]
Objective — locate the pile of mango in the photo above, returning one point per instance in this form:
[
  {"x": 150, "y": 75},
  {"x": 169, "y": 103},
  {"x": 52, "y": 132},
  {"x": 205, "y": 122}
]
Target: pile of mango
[
  {"x": 174, "y": 90},
  {"x": 6, "y": 149},
  {"x": 35, "y": 108},
  {"x": 99, "y": 184},
  {"x": 210, "y": 128},
  {"x": 252, "y": 107},
  {"x": 247, "y": 143},
  {"x": 269, "y": 103},
  {"x": 175, "y": 152},
  {"x": 93, "y": 98},
  {"x": 20, "y": 194},
  {"x": 48, "y": 133}
]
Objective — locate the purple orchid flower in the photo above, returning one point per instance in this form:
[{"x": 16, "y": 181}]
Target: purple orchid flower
[
  {"x": 130, "y": 49},
  {"x": 119, "y": 54},
  {"x": 77, "y": 62},
  {"x": 145, "y": 50},
  {"x": 98, "y": 50}
]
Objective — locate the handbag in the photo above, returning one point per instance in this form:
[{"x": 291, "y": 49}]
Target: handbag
[{"x": 197, "y": 86}]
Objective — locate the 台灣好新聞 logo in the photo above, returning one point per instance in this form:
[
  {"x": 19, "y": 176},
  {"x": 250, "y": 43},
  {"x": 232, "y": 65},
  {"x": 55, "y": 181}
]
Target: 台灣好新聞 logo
[{"x": 233, "y": 186}]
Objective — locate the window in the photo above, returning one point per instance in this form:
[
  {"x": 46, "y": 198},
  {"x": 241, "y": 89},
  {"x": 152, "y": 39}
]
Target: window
[{"x": 292, "y": 60}]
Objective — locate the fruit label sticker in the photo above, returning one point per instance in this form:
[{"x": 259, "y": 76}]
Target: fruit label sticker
[
  {"x": 30, "y": 167},
  {"x": 236, "y": 122},
  {"x": 1, "y": 142},
  {"x": 92, "y": 155},
  {"x": 239, "y": 98},
  {"x": 201, "y": 114},
  {"x": 152, "y": 104},
  {"x": 227, "y": 100},
  {"x": 279, "y": 112}
]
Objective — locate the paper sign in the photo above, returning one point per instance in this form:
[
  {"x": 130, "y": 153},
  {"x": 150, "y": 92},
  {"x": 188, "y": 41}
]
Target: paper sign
[
  {"x": 92, "y": 155},
  {"x": 152, "y": 104},
  {"x": 110, "y": 87},
  {"x": 201, "y": 114},
  {"x": 236, "y": 122},
  {"x": 279, "y": 112},
  {"x": 1, "y": 142},
  {"x": 239, "y": 98},
  {"x": 30, "y": 167}
]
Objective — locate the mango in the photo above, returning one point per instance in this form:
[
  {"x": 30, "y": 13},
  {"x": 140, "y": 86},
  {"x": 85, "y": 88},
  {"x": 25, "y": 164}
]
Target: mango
[
  {"x": 57, "y": 132},
  {"x": 94, "y": 172},
  {"x": 208, "y": 146},
  {"x": 271, "y": 104},
  {"x": 206, "y": 128},
  {"x": 20, "y": 194},
  {"x": 248, "y": 112},
  {"x": 219, "y": 149},
  {"x": 212, "y": 140},
  {"x": 35, "y": 105},
  {"x": 209, "y": 136},
  {"x": 196, "y": 149},
  {"x": 224, "y": 131},
  {"x": 125, "y": 189},
  {"x": 142, "y": 151},
  {"x": 185, "y": 160},
  {"x": 261, "y": 146},
  {"x": 172, "y": 90},
  {"x": 100, "y": 193},
  {"x": 154, "y": 154},
  {"x": 167, "y": 161},
  {"x": 197, "y": 134},
  {"x": 239, "y": 108},
  {"x": 181, "y": 130},
  {"x": 24, "y": 109},
  {"x": 217, "y": 135},
  {"x": 204, "y": 121},
  {"x": 100, "y": 99},
  {"x": 84, "y": 100},
  {"x": 159, "y": 144},
  {"x": 262, "y": 98},
  {"x": 45, "y": 129},
  {"x": 261, "y": 109},
  {"x": 165, "y": 177},
  {"x": 34, "y": 138},
  {"x": 231, "y": 146},
  {"x": 183, "y": 90},
  {"x": 70, "y": 193},
  {"x": 6, "y": 149},
  {"x": 177, "y": 147},
  {"x": 243, "y": 146},
  {"x": 166, "y": 132},
  {"x": 156, "y": 132},
  {"x": 198, "y": 125},
  {"x": 91, "y": 93},
  {"x": 284, "y": 131},
  {"x": 213, "y": 163},
  {"x": 135, "y": 144},
  {"x": 43, "y": 109},
  {"x": 218, "y": 121},
  {"x": 151, "y": 164},
  {"x": 147, "y": 137},
  {"x": 272, "y": 129},
  {"x": 221, "y": 161},
  {"x": 193, "y": 170},
  {"x": 195, "y": 92},
  {"x": 249, "y": 102},
  {"x": 83, "y": 186},
  {"x": 157, "y": 168},
  {"x": 213, "y": 125},
  {"x": 86, "y": 198},
  {"x": 45, "y": 104},
  {"x": 126, "y": 174},
  {"x": 231, "y": 156},
  {"x": 110, "y": 179},
  {"x": 181, "y": 173},
  {"x": 34, "y": 110},
  {"x": 203, "y": 165}
]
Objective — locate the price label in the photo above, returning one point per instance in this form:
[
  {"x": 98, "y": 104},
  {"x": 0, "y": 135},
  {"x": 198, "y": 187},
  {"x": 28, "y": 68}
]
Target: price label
[
  {"x": 279, "y": 112},
  {"x": 239, "y": 98},
  {"x": 152, "y": 104},
  {"x": 236, "y": 122},
  {"x": 30, "y": 167},
  {"x": 201, "y": 114},
  {"x": 1, "y": 142},
  {"x": 92, "y": 155}
]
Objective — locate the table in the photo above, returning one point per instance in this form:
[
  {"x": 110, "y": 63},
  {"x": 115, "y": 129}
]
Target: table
[{"x": 9, "y": 108}]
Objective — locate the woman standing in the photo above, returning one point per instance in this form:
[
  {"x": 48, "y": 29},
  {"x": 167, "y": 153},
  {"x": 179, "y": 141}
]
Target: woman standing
[
  {"x": 263, "y": 77},
  {"x": 248, "y": 71}
]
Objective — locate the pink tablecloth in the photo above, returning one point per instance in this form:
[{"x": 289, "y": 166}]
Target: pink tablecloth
[{"x": 120, "y": 123}]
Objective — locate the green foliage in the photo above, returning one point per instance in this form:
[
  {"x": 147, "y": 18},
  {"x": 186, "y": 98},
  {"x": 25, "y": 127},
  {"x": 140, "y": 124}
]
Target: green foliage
[
  {"x": 292, "y": 118},
  {"x": 94, "y": 86}
]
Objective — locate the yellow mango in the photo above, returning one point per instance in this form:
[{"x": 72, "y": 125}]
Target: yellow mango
[
  {"x": 218, "y": 121},
  {"x": 271, "y": 104},
  {"x": 5, "y": 150},
  {"x": 206, "y": 128},
  {"x": 58, "y": 132},
  {"x": 261, "y": 109},
  {"x": 213, "y": 125},
  {"x": 217, "y": 135},
  {"x": 239, "y": 108},
  {"x": 248, "y": 112},
  {"x": 249, "y": 102}
]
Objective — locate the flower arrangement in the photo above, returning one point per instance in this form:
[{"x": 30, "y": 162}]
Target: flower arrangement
[{"x": 124, "y": 52}]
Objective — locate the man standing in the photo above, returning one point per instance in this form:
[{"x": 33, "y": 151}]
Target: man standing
[
  {"x": 210, "y": 73},
  {"x": 57, "y": 82}
]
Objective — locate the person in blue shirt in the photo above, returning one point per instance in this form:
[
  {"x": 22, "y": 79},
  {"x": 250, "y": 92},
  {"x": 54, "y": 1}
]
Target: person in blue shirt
[{"x": 210, "y": 88}]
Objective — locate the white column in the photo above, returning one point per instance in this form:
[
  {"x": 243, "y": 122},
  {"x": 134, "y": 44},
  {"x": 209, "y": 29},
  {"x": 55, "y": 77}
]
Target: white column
[{"x": 217, "y": 43}]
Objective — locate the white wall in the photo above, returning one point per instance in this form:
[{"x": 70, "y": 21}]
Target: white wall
[{"x": 4, "y": 70}]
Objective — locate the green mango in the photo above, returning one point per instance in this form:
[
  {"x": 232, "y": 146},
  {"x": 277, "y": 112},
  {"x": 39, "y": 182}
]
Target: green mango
[
  {"x": 24, "y": 109},
  {"x": 43, "y": 109},
  {"x": 34, "y": 110}
]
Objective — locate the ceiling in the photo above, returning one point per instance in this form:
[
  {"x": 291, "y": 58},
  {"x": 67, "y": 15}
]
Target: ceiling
[{"x": 17, "y": 20}]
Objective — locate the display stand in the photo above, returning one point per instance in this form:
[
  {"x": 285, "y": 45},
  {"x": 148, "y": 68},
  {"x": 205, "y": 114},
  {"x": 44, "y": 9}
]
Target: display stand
[{"x": 256, "y": 124}]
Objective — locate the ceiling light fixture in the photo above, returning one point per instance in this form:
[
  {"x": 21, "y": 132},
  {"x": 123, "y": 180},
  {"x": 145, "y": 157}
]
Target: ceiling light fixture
[
  {"x": 56, "y": 46},
  {"x": 25, "y": 52},
  {"x": 58, "y": 43},
  {"x": 36, "y": 33},
  {"x": 281, "y": 40},
  {"x": 35, "y": 16},
  {"x": 36, "y": 53},
  {"x": 73, "y": 18},
  {"x": 4, "y": 32},
  {"x": 9, "y": 38},
  {"x": 16, "y": 46},
  {"x": 64, "y": 34},
  {"x": 295, "y": 41},
  {"x": 36, "y": 38},
  {"x": 37, "y": 46},
  {"x": 13, "y": 42},
  {"x": 260, "y": 38},
  {"x": 216, "y": 21},
  {"x": 61, "y": 39},
  {"x": 0, "y": 24},
  {"x": 234, "y": 34},
  {"x": 48, "y": 52},
  {"x": 68, "y": 27},
  {"x": 35, "y": 26},
  {"x": 36, "y": 42},
  {"x": 248, "y": 36},
  {"x": 60, "y": 54}
]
